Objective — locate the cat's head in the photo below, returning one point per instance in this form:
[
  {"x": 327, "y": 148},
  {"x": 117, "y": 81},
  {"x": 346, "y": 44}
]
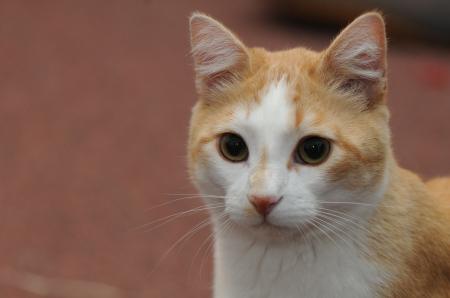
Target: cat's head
[{"x": 289, "y": 139}]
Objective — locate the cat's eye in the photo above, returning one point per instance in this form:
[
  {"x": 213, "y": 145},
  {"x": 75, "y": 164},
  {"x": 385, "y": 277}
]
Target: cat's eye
[
  {"x": 312, "y": 150},
  {"x": 233, "y": 147}
]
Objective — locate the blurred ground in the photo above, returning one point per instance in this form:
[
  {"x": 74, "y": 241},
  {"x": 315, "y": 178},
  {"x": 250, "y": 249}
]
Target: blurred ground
[{"x": 94, "y": 106}]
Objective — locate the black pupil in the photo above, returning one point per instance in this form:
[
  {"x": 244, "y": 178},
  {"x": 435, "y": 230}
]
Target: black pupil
[
  {"x": 234, "y": 145},
  {"x": 314, "y": 148}
]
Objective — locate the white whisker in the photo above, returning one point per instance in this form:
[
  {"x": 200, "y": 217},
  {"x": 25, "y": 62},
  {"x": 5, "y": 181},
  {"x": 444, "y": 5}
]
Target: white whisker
[
  {"x": 226, "y": 225},
  {"x": 186, "y": 197},
  {"x": 204, "y": 242},
  {"x": 331, "y": 212},
  {"x": 186, "y": 236},
  {"x": 340, "y": 230},
  {"x": 167, "y": 219},
  {"x": 317, "y": 226}
]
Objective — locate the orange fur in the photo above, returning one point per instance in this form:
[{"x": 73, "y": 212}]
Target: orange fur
[
  {"x": 411, "y": 235},
  {"x": 410, "y": 230}
]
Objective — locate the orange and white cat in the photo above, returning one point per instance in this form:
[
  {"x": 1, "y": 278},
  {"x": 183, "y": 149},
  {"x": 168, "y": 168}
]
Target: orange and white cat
[{"x": 292, "y": 151}]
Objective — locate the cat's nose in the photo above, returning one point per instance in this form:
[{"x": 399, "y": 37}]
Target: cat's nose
[{"x": 264, "y": 204}]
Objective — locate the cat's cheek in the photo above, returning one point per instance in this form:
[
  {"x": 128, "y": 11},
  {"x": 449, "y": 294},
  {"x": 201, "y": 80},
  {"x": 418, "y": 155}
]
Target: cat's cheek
[
  {"x": 243, "y": 215},
  {"x": 205, "y": 183},
  {"x": 238, "y": 207},
  {"x": 207, "y": 177},
  {"x": 215, "y": 176},
  {"x": 295, "y": 210},
  {"x": 353, "y": 175}
]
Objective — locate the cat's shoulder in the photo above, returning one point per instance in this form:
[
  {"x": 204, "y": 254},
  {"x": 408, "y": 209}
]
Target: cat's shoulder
[
  {"x": 440, "y": 188},
  {"x": 439, "y": 201},
  {"x": 428, "y": 260}
]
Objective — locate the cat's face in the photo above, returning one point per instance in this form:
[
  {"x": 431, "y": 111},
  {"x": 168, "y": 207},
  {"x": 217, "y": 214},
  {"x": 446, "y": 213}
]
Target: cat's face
[{"x": 289, "y": 140}]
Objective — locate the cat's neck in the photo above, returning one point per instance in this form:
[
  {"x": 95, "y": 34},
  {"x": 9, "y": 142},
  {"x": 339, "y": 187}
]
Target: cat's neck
[{"x": 323, "y": 267}]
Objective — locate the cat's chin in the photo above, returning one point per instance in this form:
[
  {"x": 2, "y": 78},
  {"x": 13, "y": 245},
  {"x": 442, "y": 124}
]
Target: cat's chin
[
  {"x": 269, "y": 230},
  {"x": 272, "y": 232}
]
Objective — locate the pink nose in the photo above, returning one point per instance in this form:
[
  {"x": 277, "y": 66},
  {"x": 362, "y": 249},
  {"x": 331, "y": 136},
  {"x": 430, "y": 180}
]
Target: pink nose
[{"x": 264, "y": 205}]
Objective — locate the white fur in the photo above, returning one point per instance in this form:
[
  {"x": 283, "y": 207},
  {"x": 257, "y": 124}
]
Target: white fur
[
  {"x": 249, "y": 268},
  {"x": 257, "y": 262}
]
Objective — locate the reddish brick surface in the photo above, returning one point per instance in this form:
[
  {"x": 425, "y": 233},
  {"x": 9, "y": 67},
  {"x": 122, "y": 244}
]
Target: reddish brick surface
[{"x": 95, "y": 99}]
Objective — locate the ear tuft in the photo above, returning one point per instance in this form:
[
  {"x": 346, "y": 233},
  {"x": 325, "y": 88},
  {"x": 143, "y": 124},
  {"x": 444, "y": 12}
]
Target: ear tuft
[
  {"x": 219, "y": 56},
  {"x": 357, "y": 57}
]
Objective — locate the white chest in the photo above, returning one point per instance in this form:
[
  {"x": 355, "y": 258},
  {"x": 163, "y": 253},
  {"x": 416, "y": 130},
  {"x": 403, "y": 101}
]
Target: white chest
[{"x": 246, "y": 269}]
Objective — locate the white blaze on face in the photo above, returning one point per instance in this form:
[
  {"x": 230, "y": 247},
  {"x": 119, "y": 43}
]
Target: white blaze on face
[
  {"x": 271, "y": 121},
  {"x": 269, "y": 131}
]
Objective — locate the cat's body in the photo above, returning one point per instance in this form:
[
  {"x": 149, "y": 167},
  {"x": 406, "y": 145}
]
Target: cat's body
[{"x": 292, "y": 151}]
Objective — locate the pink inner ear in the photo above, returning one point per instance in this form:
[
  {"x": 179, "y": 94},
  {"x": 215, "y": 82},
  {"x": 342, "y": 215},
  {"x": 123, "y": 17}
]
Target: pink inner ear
[
  {"x": 356, "y": 60},
  {"x": 218, "y": 55},
  {"x": 368, "y": 61},
  {"x": 359, "y": 51},
  {"x": 221, "y": 78}
]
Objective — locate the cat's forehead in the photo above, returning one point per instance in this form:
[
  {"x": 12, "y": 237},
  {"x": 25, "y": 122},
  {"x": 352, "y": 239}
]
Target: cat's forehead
[
  {"x": 274, "y": 106},
  {"x": 277, "y": 108},
  {"x": 283, "y": 87}
]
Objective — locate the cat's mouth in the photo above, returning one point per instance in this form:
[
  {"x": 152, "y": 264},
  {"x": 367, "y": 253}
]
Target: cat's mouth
[
  {"x": 267, "y": 225},
  {"x": 273, "y": 230}
]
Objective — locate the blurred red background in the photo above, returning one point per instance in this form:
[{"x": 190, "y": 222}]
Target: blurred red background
[{"x": 95, "y": 98}]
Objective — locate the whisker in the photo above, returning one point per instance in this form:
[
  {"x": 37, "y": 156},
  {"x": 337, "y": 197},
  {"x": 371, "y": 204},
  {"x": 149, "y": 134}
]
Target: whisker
[
  {"x": 195, "y": 194},
  {"x": 186, "y": 236},
  {"x": 353, "y": 224},
  {"x": 170, "y": 202},
  {"x": 307, "y": 238},
  {"x": 327, "y": 226},
  {"x": 357, "y": 218},
  {"x": 187, "y": 197},
  {"x": 167, "y": 219},
  {"x": 353, "y": 239},
  {"x": 317, "y": 226},
  {"x": 204, "y": 242},
  {"x": 226, "y": 225},
  {"x": 358, "y": 203},
  {"x": 331, "y": 212}
]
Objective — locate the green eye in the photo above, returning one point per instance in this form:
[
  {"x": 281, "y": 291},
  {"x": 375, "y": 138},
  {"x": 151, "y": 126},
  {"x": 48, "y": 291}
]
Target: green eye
[
  {"x": 312, "y": 150},
  {"x": 233, "y": 147}
]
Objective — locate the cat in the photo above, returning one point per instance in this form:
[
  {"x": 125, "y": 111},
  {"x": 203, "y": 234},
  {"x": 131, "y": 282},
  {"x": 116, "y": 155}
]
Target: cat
[{"x": 292, "y": 152}]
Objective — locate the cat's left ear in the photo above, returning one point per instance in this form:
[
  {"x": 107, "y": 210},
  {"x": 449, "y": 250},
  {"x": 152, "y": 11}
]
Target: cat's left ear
[
  {"x": 356, "y": 60},
  {"x": 220, "y": 58}
]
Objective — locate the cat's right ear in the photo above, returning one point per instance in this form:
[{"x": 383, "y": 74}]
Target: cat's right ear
[
  {"x": 220, "y": 58},
  {"x": 356, "y": 60}
]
